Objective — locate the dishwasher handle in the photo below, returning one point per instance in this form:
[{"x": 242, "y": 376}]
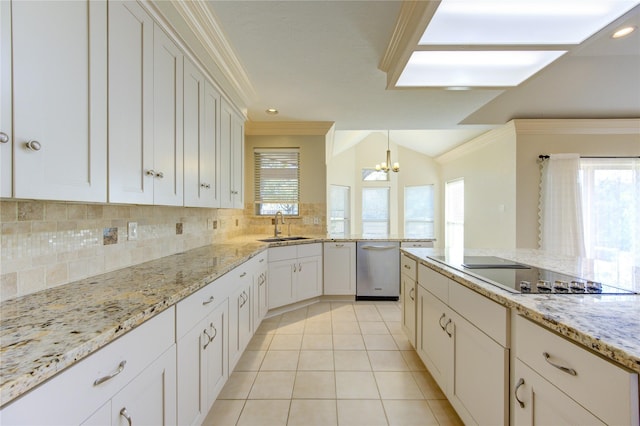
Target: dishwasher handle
[{"x": 378, "y": 247}]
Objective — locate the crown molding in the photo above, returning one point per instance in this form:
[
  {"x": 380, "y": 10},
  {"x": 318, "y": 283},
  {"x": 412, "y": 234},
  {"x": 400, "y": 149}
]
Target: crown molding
[
  {"x": 479, "y": 142},
  {"x": 413, "y": 19},
  {"x": 202, "y": 21},
  {"x": 287, "y": 128},
  {"x": 580, "y": 126}
]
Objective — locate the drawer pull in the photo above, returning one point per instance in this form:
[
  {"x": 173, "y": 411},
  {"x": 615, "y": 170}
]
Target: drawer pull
[
  {"x": 405, "y": 266},
  {"x": 339, "y": 245},
  {"x": 209, "y": 300},
  {"x": 261, "y": 260},
  {"x": 559, "y": 367},
  {"x": 242, "y": 275},
  {"x": 411, "y": 294},
  {"x": 446, "y": 328},
  {"x": 210, "y": 338},
  {"x": 112, "y": 375},
  {"x": 126, "y": 415},
  {"x": 515, "y": 392},
  {"x": 440, "y": 321}
]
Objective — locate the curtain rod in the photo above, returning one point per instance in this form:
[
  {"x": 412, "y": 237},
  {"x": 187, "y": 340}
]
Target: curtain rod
[{"x": 546, "y": 156}]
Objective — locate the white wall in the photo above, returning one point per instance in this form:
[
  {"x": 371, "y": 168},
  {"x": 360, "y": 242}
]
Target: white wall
[{"x": 488, "y": 166}]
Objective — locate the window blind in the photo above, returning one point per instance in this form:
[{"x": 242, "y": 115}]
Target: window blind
[{"x": 277, "y": 175}]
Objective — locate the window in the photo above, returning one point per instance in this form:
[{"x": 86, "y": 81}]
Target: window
[
  {"x": 375, "y": 211},
  {"x": 611, "y": 207},
  {"x": 454, "y": 214},
  {"x": 277, "y": 181},
  {"x": 418, "y": 211},
  {"x": 339, "y": 217},
  {"x": 374, "y": 175}
]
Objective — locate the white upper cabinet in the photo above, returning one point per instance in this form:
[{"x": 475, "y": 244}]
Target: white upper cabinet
[
  {"x": 201, "y": 140},
  {"x": 167, "y": 121},
  {"x": 6, "y": 133},
  {"x": 232, "y": 158},
  {"x": 130, "y": 104},
  {"x": 145, "y": 110},
  {"x": 59, "y": 100}
]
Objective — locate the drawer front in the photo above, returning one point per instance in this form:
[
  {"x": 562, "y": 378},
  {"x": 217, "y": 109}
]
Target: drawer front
[
  {"x": 282, "y": 253},
  {"x": 192, "y": 309},
  {"x": 260, "y": 261},
  {"x": 308, "y": 250},
  {"x": 435, "y": 282},
  {"x": 71, "y": 396},
  {"x": 408, "y": 266},
  {"x": 608, "y": 391},
  {"x": 482, "y": 312}
]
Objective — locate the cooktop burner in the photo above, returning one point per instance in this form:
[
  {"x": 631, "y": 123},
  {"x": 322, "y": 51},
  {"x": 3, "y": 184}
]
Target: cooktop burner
[{"x": 521, "y": 278}]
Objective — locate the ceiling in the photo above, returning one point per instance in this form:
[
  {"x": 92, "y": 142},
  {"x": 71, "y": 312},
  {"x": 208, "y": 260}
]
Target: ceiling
[{"x": 319, "y": 61}]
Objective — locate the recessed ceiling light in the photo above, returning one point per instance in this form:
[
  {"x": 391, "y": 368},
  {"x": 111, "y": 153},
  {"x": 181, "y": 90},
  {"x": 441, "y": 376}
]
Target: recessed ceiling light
[
  {"x": 474, "y": 68},
  {"x": 623, "y": 32},
  {"x": 271, "y": 111},
  {"x": 511, "y": 22}
]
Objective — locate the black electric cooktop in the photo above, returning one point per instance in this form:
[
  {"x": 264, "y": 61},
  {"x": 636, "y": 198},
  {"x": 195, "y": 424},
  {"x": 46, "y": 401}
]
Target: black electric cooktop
[{"x": 518, "y": 277}]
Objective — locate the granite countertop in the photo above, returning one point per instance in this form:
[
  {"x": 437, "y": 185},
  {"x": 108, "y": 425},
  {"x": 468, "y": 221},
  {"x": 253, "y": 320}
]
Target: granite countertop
[{"x": 606, "y": 324}]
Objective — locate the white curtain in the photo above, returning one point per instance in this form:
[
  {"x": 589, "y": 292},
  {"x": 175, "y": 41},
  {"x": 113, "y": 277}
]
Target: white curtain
[{"x": 560, "y": 208}]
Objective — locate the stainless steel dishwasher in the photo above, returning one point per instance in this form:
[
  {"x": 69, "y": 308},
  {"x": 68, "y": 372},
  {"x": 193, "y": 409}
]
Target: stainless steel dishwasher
[{"x": 377, "y": 270}]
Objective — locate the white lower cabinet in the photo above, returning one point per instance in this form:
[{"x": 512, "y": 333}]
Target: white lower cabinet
[
  {"x": 260, "y": 290},
  {"x": 140, "y": 364},
  {"x": 339, "y": 268},
  {"x": 408, "y": 296},
  {"x": 538, "y": 402},
  {"x": 557, "y": 382},
  {"x": 240, "y": 316},
  {"x": 295, "y": 273},
  {"x": 468, "y": 362}
]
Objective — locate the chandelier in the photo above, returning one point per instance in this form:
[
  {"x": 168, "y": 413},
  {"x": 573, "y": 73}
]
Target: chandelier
[{"x": 386, "y": 166}]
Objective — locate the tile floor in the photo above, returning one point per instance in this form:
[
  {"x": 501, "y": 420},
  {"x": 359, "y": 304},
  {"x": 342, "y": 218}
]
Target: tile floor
[{"x": 332, "y": 364}]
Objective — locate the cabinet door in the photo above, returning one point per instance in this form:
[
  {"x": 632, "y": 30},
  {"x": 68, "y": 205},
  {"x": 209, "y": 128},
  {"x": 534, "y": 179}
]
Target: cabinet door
[
  {"x": 59, "y": 99},
  {"x": 167, "y": 121},
  {"x": 192, "y": 404},
  {"x": 435, "y": 337},
  {"x": 130, "y": 104},
  {"x": 259, "y": 297},
  {"x": 226, "y": 169},
  {"x": 240, "y": 326},
  {"x": 150, "y": 398},
  {"x": 281, "y": 287},
  {"x": 408, "y": 298},
  {"x": 480, "y": 375},
  {"x": 340, "y": 268},
  {"x": 6, "y": 114},
  {"x": 215, "y": 351},
  {"x": 538, "y": 402},
  {"x": 308, "y": 277},
  {"x": 210, "y": 148},
  {"x": 237, "y": 161}
]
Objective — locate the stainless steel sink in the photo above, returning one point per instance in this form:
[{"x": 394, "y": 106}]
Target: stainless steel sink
[{"x": 281, "y": 239}]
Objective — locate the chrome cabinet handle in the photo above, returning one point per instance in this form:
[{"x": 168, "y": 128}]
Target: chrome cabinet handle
[
  {"x": 126, "y": 415},
  {"x": 33, "y": 145},
  {"x": 440, "y": 321},
  {"x": 209, "y": 300},
  {"x": 159, "y": 175},
  {"x": 411, "y": 294},
  {"x": 4, "y": 138},
  {"x": 112, "y": 375},
  {"x": 446, "y": 328},
  {"x": 261, "y": 260},
  {"x": 150, "y": 172},
  {"x": 405, "y": 266},
  {"x": 234, "y": 192},
  {"x": 205, "y": 185},
  {"x": 379, "y": 247},
  {"x": 210, "y": 338},
  {"x": 559, "y": 367},
  {"x": 294, "y": 268},
  {"x": 339, "y": 245},
  {"x": 515, "y": 392},
  {"x": 299, "y": 267},
  {"x": 242, "y": 275}
]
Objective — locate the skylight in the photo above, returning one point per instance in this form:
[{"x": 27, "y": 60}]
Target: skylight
[
  {"x": 506, "y": 22},
  {"x": 501, "y": 43}
]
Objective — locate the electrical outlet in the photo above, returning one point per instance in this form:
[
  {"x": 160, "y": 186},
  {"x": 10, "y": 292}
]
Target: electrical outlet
[
  {"x": 178, "y": 228},
  {"x": 237, "y": 222},
  {"x": 132, "y": 231},
  {"x": 215, "y": 224},
  {"x": 316, "y": 221}
]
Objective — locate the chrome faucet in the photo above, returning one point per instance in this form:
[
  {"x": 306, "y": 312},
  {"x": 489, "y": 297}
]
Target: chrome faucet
[{"x": 275, "y": 229}]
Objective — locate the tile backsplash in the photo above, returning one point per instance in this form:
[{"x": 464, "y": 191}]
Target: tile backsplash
[{"x": 45, "y": 244}]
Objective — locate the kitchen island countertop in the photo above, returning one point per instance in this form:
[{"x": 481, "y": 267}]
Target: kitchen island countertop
[{"x": 606, "y": 324}]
